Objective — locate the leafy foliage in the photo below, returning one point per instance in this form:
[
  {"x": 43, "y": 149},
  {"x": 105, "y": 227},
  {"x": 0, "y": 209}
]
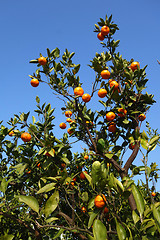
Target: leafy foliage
[{"x": 47, "y": 191}]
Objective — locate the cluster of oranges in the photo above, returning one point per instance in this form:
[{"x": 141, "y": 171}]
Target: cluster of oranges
[
  {"x": 104, "y": 32},
  {"x": 34, "y": 81}
]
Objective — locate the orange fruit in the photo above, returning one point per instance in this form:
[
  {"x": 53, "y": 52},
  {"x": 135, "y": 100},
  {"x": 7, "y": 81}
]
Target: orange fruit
[
  {"x": 72, "y": 183},
  {"x": 84, "y": 210},
  {"x": 69, "y": 131},
  {"x": 78, "y": 91},
  {"x": 142, "y": 117},
  {"x": 105, "y": 74},
  {"x": 68, "y": 113},
  {"x": 100, "y": 36},
  {"x": 131, "y": 146},
  {"x": 102, "y": 92},
  {"x": 86, "y": 157},
  {"x": 62, "y": 125},
  {"x": 106, "y": 210},
  {"x": 153, "y": 194},
  {"x": 69, "y": 120},
  {"x": 134, "y": 65},
  {"x": 86, "y": 97},
  {"x": 112, "y": 127},
  {"x": 82, "y": 176},
  {"x": 26, "y": 137},
  {"x": 11, "y": 133},
  {"x": 122, "y": 112},
  {"x": 110, "y": 116},
  {"x": 42, "y": 61},
  {"x": 63, "y": 165},
  {"x": 99, "y": 201},
  {"x": 28, "y": 172},
  {"x": 74, "y": 179},
  {"x": 105, "y": 30},
  {"x": 39, "y": 165},
  {"x": 34, "y": 82},
  {"x": 114, "y": 83}
]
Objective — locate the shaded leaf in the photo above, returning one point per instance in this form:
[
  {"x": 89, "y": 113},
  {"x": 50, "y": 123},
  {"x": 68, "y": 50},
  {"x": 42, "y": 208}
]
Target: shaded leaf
[
  {"x": 30, "y": 201},
  {"x": 51, "y": 203}
]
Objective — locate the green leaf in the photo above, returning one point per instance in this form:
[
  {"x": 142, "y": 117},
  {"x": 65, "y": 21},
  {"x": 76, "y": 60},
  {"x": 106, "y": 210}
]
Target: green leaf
[
  {"x": 51, "y": 203},
  {"x": 84, "y": 196},
  {"x": 6, "y": 237},
  {"x": 135, "y": 217},
  {"x": 58, "y": 234},
  {"x": 52, "y": 219},
  {"x": 47, "y": 188},
  {"x": 91, "y": 218},
  {"x": 30, "y": 201},
  {"x": 33, "y": 119},
  {"x": 156, "y": 215},
  {"x": 120, "y": 231},
  {"x": 96, "y": 171},
  {"x": 138, "y": 199},
  {"x": 3, "y": 186},
  {"x": 99, "y": 230},
  {"x": 101, "y": 144},
  {"x": 144, "y": 143},
  {"x": 153, "y": 140},
  {"x": 37, "y": 99},
  {"x": 64, "y": 159},
  {"x": 88, "y": 178}
]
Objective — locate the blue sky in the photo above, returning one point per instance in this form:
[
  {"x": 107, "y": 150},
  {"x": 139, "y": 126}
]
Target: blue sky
[{"x": 29, "y": 27}]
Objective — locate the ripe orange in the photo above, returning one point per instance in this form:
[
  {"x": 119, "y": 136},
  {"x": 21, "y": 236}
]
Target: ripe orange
[
  {"x": 69, "y": 120},
  {"x": 134, "y": 65},
  {"x": 99, "y": 201},
  {"x": 28, "y": 172},
  {"x": 72, "y": 183},
  {"x": 105, "y": 30},
  {"x": 86, "y": 97},
  {"x": 153, "y": 194},
  {"x": 62, "y": 125},
  {"x": 74, "y": 179},
  {"x": 112, "y": 127},
  {"x": 105, "y": 74},
  {"x": 84, "y": 210},
  {"x": 68, "y": 113},
  {"x": 100, "y": 36},
  {"x": 106, "y": 210},
  {"x": 142, "y": 117},
  {"x": 122, "y": 112},
  {"x": 39, "y": 165},
  {"x": 34, "y": 82},
  {"x": 86, "y": 157},
  {"x": 11, "y": 133},
  {"x": 63, "y": 165},
  {"x": 131, "y": 146},
  {"x": 102, "y": 92},
  {"x": 78, "y": 91},
  {"x": 69, "y": 131},
  {"x": 114, "y": 83},
  {"x": 26, "y": 137},
  {"x": 110, "y": 116},
  {"x": 42, "y": 60},
  {"x": 82, "y": 176}
]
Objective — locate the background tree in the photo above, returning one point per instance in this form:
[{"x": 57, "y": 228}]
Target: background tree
[{"x": 46, "y": 189}]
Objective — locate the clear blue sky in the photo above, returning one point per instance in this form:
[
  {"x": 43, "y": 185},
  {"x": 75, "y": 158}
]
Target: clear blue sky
[{"x": 29, "y": 27}]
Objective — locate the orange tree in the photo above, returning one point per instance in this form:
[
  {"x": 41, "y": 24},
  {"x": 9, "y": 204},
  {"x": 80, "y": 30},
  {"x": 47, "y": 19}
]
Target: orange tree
[{"x": 49, "y": 192}]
